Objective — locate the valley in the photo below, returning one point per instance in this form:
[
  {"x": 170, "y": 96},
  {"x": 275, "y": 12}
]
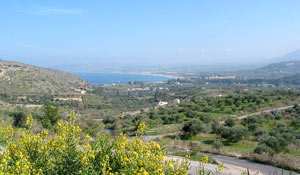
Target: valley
[{"x": 227, "y": 115}]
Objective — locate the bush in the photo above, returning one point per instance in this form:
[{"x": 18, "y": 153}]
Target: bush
[
  {"x": 276, "y": 115},
  {"x": 92, "y": 128},
  {"x": 260, "y": 149},
  {"x": 252, "y": 127},
  {"x": 230, "y": 122},
  {"x": 259, "y": 132},
  {"x": 19, "y": 119},
  {"x": 50, "y": 116},
  {"x": 272, "y": 142},
  {"x": 191, "y": 114},
  {"x": 68, "y": 153},
  {"x": 194, "y": 127},
  {"x": 217, "y": 144},
  {"x": 109, "y": 120},
  {"x": 205, "y": 118},
  {"x": 297, "y": 135},
  {"x": 249, "y": 120},
  {"x": 233, "y": 134},
  {"x": 215, "y": 126},
  {"x": 296, "y": 123}
]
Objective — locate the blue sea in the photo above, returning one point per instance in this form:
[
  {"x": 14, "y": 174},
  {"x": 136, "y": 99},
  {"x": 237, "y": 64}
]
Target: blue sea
[{"x": 111, "y": 78}]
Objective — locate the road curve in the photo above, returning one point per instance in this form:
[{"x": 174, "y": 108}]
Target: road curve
[
  {"x": 194, "y": 165},
  {"x": 264, "y": 169},
  {"x": 235, "y": 166}
]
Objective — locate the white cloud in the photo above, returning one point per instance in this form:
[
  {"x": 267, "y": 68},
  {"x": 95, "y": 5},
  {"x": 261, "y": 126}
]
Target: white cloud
[{"x": 42, "y": 10}]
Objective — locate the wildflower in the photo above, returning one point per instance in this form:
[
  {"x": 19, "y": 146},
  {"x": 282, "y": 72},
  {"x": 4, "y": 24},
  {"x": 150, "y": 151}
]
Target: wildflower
[
  {"x": 204, "y": 159},
  {"x": 221, "y": 167}
]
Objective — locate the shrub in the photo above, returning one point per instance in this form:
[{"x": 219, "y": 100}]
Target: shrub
[
  {"x": 276, "y": 114},
  {"x": 205, "y": 118},
  {"x": 272, "y": 142},
  {"x": 259, "y": 132},
  {"x": 251, "y": 119},
  {"x": 260, "y": 149},
  {"x": 191, "y": 114},
  {"x": 217, "y": 144},
  {"x": 297, "y": 135},
  {"x": 296, "y": 123},
  {"x": 92, "y": 128},
  {"x": 215, "y": 126},
  {"x": 50, "y": 116},
  {"x": 67, "y": 153},
  {"x": 233, "y": 134},
  {"x": 194, "y": 127},
  {"x": 252, "y": 127},
  {"x": 230, "y": 122},
  {"x": 19, "y": 119}
]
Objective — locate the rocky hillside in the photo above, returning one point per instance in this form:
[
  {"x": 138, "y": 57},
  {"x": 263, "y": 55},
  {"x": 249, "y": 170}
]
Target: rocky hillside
[{"x": 18, "y": 78}]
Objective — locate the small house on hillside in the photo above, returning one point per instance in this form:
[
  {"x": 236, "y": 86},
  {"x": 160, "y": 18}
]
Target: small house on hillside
[
  {"x": 177, "y": 101},
  {"x": 162, "y": 103}
]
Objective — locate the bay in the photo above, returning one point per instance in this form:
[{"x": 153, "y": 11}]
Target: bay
[{"x": 122, "y": 78}]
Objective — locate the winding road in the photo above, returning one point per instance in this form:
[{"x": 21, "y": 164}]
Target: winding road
[
  {"x": 236, "y": 162},
  {"x": 234, "y": 166}
]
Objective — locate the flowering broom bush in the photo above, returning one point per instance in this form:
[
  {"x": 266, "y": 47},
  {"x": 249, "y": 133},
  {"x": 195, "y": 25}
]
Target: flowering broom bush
[{"x": 67, "y": 152}]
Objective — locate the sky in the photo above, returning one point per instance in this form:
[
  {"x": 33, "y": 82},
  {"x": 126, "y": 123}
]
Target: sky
[{"x": 61, "y": 32}]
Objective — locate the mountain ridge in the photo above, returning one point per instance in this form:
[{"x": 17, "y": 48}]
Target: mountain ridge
[{"x": 291, "y": 56}]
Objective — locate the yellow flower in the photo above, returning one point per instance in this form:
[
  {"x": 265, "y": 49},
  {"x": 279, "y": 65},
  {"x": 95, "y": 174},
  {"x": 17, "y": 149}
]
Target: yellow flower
[
  {"x": 221, "y": 167},
  {"x": 204, "y": 159},
  {"x": 135, "y": 156}
]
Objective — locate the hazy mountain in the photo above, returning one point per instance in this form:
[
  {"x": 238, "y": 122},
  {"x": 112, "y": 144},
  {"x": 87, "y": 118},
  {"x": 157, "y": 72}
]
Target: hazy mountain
[
  {"x": 295, "y": 55},
  {"x": 19, "y": 78},
  {"x": 284, "y": 67},
  {"x": 272, "y": 70}
]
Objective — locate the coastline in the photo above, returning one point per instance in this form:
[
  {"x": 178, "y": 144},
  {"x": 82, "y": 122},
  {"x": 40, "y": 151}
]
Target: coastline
[
  {"x": 167, "y": 77},
  {"x": 152, "y": 74}
]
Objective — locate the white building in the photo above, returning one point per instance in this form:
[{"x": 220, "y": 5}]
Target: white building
[
  {"x": 162, "y": 103},
  {"x": 177, "y": 101}
]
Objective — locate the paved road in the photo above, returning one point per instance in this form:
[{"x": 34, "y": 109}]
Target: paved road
[
  {"x": 265, "y": 169},
  {"x": 235, "y": 166},
  {"x": 229, "y": 169}
]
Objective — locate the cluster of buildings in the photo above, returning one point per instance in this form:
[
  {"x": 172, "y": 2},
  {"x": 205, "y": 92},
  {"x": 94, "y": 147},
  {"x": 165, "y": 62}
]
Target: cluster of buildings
[
  {"x": 148, "y": 89},
  {"x": 215, "y": 77},
  {"x": 160, "y": 89},
  {"x": 139, "y": 89}
]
